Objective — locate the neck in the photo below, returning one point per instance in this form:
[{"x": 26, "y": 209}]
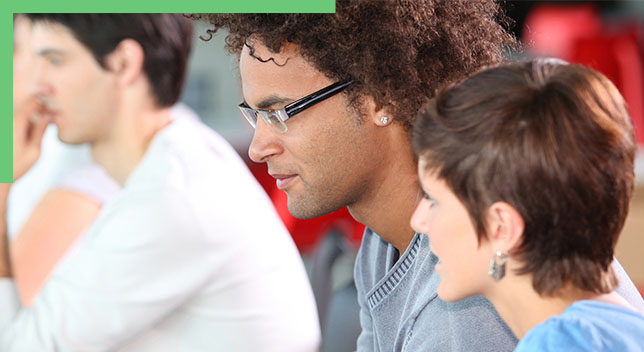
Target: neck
[
  {"x": 522, "y": 308},
  {"x": 125, "y": 146},
  {"x": 389, "y": 203}
]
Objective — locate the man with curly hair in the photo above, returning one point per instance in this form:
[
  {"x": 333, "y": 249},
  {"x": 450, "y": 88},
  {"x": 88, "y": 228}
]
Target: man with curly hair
[{"x": 332, "y": 98}]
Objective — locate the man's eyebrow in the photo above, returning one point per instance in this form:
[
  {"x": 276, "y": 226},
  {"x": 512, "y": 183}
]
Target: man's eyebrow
[
  {"x": 49, "y": 51},
  {"x": 271, "y": 101}
]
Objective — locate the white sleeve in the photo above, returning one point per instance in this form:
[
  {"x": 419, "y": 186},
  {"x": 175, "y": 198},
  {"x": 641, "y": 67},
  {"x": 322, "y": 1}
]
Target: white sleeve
[
  {"x": 90, "y": 180},
  {"x": 141, "y": 259},
  {"x": 9, "y": 301}
]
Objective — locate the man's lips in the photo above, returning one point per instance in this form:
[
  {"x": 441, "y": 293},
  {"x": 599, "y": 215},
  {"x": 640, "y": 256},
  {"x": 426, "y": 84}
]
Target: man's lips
[{"x": 283, "y": 180}]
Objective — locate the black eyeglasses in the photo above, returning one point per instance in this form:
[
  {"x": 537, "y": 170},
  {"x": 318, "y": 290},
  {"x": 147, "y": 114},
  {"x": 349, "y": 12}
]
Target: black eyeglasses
[{"x": 277, "y": 118}]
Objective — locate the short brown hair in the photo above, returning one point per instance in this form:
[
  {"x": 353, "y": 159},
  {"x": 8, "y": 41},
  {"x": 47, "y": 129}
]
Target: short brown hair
[
  {"x": 553, "y": 140},
  {"x": 398, "y": 52}
]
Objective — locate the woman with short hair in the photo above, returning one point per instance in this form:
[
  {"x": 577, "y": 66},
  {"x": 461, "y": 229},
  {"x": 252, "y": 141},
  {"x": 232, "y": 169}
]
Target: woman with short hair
[{"x": 539, "y": 157}]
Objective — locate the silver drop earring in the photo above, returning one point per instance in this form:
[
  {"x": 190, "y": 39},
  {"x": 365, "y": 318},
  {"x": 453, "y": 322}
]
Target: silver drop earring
[
  {"x": 384, "y": 120},
  {"x": 497, "y": 266}
]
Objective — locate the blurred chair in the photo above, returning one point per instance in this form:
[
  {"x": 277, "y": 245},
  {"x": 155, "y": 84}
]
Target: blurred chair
[
  {"x": 336, "y": 295},
  {"x": 616, "y": 54},
  {"x": 551, "y": 30},
  {"x": 577, "y": 34}
]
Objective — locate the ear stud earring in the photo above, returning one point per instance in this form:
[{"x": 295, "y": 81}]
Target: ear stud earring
[{"x": 384, "y": 120}]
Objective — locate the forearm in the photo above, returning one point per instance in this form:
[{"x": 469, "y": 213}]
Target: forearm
[
  {"x": 8, "y": 295},
  {"x": 33, "y": 254},
  {"x": 5, "y": 266}
]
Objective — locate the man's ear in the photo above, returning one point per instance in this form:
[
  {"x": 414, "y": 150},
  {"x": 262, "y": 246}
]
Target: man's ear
[
  {"x": 126, "y": 61},
  {"x": 374, "y": 114},
  {"x": 505, "y": 227}
]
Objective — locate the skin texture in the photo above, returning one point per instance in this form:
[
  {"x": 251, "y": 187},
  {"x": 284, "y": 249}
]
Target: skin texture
[
  {"x": 315, "y": 147},
  {"x": 26, "y": 149},
  {"x": 27, "y": 129},
  {"x": 49, "y": 230},
  {"x": 77, "y": 90},
  {"x": 22, "y": 59},
  {"x": 463, "y": 260},
  {"x": 331, "y": 156},
  {"x": 112, "y": 109},
  {"x": 46, "y": 236}
]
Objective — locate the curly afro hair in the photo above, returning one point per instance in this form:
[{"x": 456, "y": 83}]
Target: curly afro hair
[{"x": 398, "y": 52}]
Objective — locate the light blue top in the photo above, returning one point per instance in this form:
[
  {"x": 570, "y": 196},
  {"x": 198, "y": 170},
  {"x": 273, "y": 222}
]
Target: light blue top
[
  {"x": 588, "y": 326},
  {"x": 400, "y": 309}
]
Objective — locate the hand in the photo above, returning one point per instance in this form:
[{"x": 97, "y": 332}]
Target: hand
[{"x": 30, "y": 119}]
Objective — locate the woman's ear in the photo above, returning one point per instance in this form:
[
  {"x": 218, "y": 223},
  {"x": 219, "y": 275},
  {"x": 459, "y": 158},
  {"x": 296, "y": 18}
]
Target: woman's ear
[
  {"x": 505, "y": 226},
  {"x": 126, "y": 61}
]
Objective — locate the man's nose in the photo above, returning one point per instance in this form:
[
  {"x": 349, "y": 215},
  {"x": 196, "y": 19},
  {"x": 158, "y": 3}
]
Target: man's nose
[{"x": 265, "y": 143}]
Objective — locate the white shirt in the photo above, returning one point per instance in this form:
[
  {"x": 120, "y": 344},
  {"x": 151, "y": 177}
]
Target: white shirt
[
  {"x": 189, "y": 256},
  {"x": 60, "y": 166}
]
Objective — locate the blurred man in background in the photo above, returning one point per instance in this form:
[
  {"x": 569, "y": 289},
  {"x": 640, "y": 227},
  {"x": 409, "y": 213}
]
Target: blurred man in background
[
  {"x": 171, "y": 263},
  {"x": 64, "y": 181}
]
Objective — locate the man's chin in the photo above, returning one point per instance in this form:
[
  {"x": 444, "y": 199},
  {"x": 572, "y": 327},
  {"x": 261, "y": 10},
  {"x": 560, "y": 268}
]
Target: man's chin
[
  {"x": 305, "y": 209},
  {"x": 69, "y": 139}
]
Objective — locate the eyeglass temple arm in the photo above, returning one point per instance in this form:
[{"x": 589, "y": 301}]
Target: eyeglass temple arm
[{"x": 315, "y": 98}]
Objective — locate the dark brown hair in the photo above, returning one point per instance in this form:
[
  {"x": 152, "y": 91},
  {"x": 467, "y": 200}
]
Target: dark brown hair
[
  {"x": 398, "y": 52},
  {"x": 166, "y": 40},
  {"x": 553, "y": 140}
]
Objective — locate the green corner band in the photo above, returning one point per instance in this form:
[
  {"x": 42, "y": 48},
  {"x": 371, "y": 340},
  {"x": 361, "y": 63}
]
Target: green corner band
[{"x": 222, "y": 6}]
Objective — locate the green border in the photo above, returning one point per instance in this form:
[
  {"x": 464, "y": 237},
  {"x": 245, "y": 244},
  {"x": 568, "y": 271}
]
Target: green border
[
  {"x": 6, "y": 89},
  {"x": 221, "y": 6}
]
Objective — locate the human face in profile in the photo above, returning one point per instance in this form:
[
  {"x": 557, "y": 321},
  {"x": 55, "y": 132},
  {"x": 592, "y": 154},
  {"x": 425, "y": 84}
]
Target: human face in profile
[
  {"x": 328, "y": 157},
  {"x": 463, "y": 261},
  {"x": 22, "y": 60},
  {"x": 78, "y": 92}
]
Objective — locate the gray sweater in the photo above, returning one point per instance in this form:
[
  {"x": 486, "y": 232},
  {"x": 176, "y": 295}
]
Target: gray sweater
[{"x": 400, "y": 309}]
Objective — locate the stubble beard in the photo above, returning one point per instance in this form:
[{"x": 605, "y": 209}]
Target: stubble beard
[{"x": 314, "y": 204}]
